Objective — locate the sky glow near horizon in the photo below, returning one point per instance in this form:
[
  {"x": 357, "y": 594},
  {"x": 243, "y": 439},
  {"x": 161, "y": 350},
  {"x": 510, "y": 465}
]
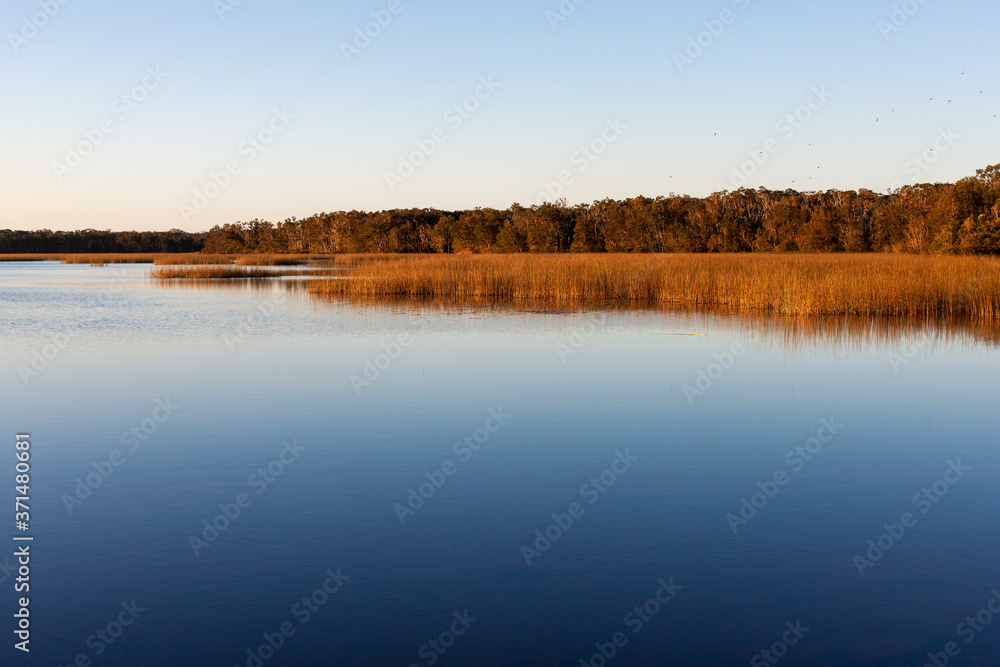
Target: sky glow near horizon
[{"x": 330, "y": 126}]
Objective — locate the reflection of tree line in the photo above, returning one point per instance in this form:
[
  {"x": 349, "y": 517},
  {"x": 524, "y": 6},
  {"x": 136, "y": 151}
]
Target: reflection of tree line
[{"x": 962, "y": 217}]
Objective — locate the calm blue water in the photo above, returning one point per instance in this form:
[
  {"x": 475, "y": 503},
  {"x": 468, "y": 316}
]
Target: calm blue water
[{"x": 209, "y": 396}]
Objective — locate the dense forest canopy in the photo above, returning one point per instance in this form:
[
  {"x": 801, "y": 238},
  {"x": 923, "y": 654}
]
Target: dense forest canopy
[{"x": 962, "y": 217}]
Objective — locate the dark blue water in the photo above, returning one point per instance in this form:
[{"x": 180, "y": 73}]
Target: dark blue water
[{"x": 589, "y": 427}]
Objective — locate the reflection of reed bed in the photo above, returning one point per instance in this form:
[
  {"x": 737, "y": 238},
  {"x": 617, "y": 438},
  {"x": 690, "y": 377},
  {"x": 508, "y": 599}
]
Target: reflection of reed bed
[
  {"x": 859, "y": 285},
  {"x": 904, "y": 336},
  {"x": 761, "y": 331},
  {"x": 262, "y": 289},
  {"x": 212, "y": 272}
]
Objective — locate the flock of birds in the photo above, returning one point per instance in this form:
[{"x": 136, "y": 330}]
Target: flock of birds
[{"x": 877, "y": 119}]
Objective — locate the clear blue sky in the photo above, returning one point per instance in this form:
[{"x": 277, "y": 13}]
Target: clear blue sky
[{"x": 686, "y": 129}]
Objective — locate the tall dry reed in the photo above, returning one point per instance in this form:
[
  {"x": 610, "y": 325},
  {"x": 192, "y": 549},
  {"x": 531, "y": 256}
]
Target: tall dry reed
[
  {"x": 862, "y": 285},
  {"x": 211, "y": 272}
]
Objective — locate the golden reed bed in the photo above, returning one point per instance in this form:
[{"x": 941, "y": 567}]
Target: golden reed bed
[
  {"x": 860, "y": 285},
  {"x": 212, "y": 272}
]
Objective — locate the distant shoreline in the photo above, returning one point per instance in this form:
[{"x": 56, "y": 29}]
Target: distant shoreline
[{"x": 947, "y": 218}]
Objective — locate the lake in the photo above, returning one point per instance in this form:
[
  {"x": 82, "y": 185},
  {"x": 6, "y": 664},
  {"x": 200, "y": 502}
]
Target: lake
[{"x": 244, "y": 475}]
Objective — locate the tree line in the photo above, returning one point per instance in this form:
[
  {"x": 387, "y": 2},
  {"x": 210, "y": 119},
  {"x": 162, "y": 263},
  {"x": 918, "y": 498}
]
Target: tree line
[
  {"x": 96, "y": 241},
  {"x": 962, "y": 217},
  {"x": 959, "y": 218}
]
